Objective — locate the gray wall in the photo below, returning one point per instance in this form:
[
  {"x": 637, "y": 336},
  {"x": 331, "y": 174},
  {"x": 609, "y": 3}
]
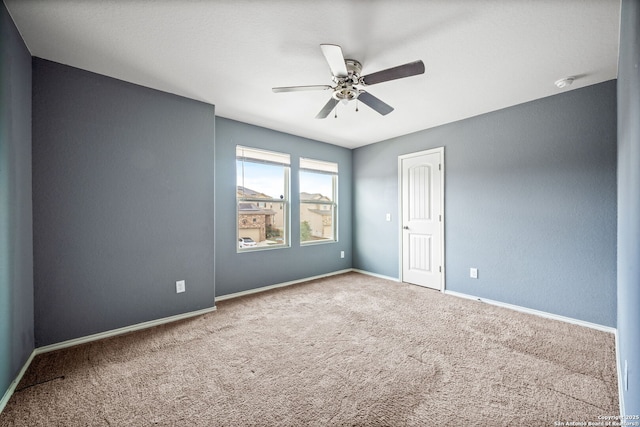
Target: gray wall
[
  {"x": 123, "y": 190},
  {"x": 629, "y": 203},
  {"x": 530, "y": 200},
  {"x": 16, "y": 250},
  {"x": 237, "y": 272}
]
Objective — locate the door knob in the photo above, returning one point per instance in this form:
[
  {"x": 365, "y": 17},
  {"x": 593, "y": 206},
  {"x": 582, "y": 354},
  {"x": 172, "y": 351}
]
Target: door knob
[{"x": 406, "y": 227}]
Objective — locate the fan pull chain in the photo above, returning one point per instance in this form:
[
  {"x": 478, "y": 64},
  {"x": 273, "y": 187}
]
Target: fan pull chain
[
  {"x": 336, "y": 112},
  {"x": 357, "y": 105}
]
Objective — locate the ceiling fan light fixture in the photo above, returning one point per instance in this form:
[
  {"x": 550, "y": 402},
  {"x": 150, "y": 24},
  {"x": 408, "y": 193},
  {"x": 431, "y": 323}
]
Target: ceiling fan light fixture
[
  {"x": 562, "y": 83},
  {"x": 345, "y": 93}
]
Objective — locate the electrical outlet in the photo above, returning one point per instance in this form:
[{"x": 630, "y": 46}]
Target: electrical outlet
[
  {"x": 180, "y": 286},
  {"x": 473, "y": 273},
  {"x": 341, "y": 254}
]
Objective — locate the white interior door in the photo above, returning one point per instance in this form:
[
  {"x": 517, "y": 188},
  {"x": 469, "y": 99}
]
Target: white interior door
[{"x": 422, "y": 189}]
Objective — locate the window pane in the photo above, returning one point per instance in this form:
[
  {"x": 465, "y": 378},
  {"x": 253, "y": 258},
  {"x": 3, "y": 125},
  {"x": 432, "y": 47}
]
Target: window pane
[
  {"x": 316, "y": 222},
  {"x": 262, "y": 185},
  {"x": 261, "y": 225},
  {"x": 316, "y": 187},
  {"x": 258, "y": 180},
  {"x": 317, "y": 201}
]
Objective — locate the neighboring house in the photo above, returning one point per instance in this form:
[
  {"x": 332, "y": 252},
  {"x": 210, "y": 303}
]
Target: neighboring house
[
  {"x": 319, "y": 216},
  {"x": 244, "y": 192},
  {"x": 256, "y": 219}
]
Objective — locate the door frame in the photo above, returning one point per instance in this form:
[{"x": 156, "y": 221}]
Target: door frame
[{"x": 439, "y": 150}]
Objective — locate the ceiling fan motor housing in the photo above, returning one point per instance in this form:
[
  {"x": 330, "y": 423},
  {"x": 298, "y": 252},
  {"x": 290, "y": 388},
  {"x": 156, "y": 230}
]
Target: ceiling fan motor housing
[{"x": 345, "y": 90}]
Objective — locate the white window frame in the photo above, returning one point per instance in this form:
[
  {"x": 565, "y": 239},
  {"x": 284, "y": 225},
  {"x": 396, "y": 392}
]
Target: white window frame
[
  {"x": 256, "y": 155},
  {"x": 308, "y": 165}
]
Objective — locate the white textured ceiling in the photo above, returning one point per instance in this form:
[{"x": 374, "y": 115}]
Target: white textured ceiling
[{"x": 480, "y": 55}]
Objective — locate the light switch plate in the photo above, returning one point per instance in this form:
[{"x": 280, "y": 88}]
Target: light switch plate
[
  {"x": 180, "y": 286},
  {"x": 473, "y": 273}
]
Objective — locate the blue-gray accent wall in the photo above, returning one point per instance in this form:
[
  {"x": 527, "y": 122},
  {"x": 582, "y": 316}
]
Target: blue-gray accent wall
[
  {"x": 123, "y": 193},
  {"x": 530, "y": 200},
  {"x": 16, "y": 249},
  {"x": 629, "y": 205},
  {"x": 237, "y": 272}
]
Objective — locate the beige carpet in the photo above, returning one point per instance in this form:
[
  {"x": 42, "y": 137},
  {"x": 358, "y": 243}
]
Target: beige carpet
[{"x": 350, "y": 350}]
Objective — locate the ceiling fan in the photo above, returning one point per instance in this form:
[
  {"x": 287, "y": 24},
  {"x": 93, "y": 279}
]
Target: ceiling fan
[{"x": 347, "y": 79}]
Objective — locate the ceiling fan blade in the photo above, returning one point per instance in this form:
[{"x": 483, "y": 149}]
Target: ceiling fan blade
[
  {"x": 335, "y": 58},
  {"x": 329, "y": 106},
  {"x": 375, "y": 103},
  {"x": 401, "y": 71},
  {"x": 300, "y": 88}
]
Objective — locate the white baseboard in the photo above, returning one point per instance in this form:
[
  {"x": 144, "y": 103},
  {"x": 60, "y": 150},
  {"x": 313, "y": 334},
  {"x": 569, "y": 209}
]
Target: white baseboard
[
  {"x": 157, "y": 322},
  {"x": 139, "y": 326},
  {"x": 379, "y": 276},
  {"x": 596, "y": 326},
  {"x": 545, "y": 314},
  {"x": 511, "y": 306},
  {"x": 14, "y": 383},
  {"x": 95, "y": 337},
  {"x": 279, "y": 285},
  {"x": 120, "y": 331}
]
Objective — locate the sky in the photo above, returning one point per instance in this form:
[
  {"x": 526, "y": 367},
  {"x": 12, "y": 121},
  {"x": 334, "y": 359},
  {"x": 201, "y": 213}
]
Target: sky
[{"x": 269, "y": 179}]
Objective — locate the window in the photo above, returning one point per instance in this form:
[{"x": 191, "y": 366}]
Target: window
[
  {"x": 318, "y": 195},
  {"x": 262, "y": 199}
]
